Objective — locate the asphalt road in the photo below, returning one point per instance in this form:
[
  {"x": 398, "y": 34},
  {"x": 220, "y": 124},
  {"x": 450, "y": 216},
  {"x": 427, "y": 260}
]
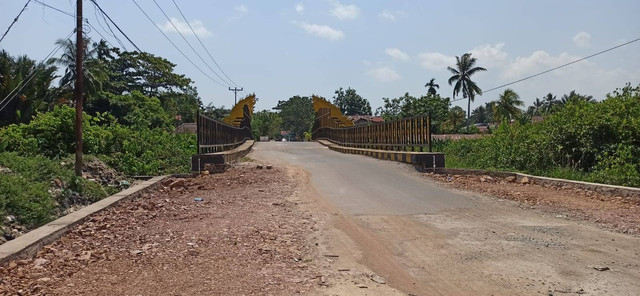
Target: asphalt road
[{"x": 427, "y": 240}]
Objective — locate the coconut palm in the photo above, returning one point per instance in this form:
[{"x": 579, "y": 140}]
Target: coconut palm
[
  {"x": 506, "y": 107},
  {"x": 573, "y": 96},
  {"x": 549, "y": 102},
  {"x": 432, "y": 86},
  {"x": 94, "y": 73},
  {"x": 462, "y": 73},
  {"x": 537, "y": 108}
]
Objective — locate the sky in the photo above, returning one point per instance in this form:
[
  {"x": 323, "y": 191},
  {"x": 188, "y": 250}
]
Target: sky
[{"x": 382, "y": 49}]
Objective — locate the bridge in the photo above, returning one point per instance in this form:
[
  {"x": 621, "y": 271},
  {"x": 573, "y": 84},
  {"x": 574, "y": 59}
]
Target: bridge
[{"x": 357, "y": 211}]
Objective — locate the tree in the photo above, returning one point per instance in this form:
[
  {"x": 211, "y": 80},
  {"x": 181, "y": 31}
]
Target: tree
[
  {"x": 454, "y": 120},
  {"x": 550, "y": 102},
  {"x": 506, "y": 108},
  {"x": 573, "y": 96},
  {"x": 297, "y": 114},
  {"x": 266, "y": 123},
  {"x": 462, "y": 73},
  {"x": 351, "y": 103},
  {"x": 95, "y": 74},
  {"x": 432, "y": 86},
  {"x": 480, "y": 115},
  {"x": 217, "y": 113},
  {"x": 536, "y": 109},
  {"x": 24, "y": 98},
  {"x": 391, "y": 109}
]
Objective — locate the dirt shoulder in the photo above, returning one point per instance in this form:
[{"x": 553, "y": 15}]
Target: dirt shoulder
[
  {"x": 621, "y": 214},
  {"x": 246, "y": 236}
]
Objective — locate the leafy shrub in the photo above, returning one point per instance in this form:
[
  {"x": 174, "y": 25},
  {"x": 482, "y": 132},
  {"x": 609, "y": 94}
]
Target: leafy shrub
[
  {"x": 598, "y": 141},
  {"x": 132, "y": 150}
]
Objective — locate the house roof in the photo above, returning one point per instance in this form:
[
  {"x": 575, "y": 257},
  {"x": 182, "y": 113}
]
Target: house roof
[{"x": 374, "y": 119}]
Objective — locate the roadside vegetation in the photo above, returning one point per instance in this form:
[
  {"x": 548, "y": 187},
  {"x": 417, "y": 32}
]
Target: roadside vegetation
[
  {"x": 133, "y": 103},
  {"x": 579, "y": 139}
]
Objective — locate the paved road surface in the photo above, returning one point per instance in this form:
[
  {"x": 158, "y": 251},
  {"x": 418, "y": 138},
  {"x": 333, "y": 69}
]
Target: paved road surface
[{"x": 426, "y": 240}]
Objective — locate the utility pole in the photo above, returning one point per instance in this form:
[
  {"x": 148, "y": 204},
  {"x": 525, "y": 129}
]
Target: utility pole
[
  {"x": 78, "y": 87},
  {"x": 235, "y": 90}
]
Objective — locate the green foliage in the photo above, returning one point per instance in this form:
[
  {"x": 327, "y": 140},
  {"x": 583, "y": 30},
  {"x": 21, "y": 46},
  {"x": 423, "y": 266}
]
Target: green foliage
[
  {"x": 152, "y": 152},
  {"x": 297, "y": 114},
  {"x": 599, "y": 142},
  {"x": 407, "y": 106},
  {"x": 266, "y": 123},
  {"x": 217, "y": 113},
  {"x": 24, "y": 191},
  {"x": 351, "y": 103},
  {"x": 31, "y": 98},
  {"x": 134, "y": 109},
  {"x": 134, "y": 151}
]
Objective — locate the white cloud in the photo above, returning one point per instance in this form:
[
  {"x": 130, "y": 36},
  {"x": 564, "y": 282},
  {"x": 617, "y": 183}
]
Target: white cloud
[
  {"x": 397, "y": 54},
  {"x": 183, "y": 27},
  {"x": 388, "y": 15},
  {"x": 539, "y": 60},
  {"x": 299, "y": 7},
  {"x": 582, "y": 39},
  {"x": 345, "y": 12},
  {"x": 488, "y": 55},
  {"x": 384, "y": 74},
  {"x": 241, "y": 9},
  {"x": 391, "y": 15},
  {"x": 321, "y": 31},
  {"x": 435, "y": 60}
]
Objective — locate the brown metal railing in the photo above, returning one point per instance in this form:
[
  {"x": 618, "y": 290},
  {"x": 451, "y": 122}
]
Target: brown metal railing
[
  {"x": 215, "y": 136},
  {"x": 410, "y": 134}
]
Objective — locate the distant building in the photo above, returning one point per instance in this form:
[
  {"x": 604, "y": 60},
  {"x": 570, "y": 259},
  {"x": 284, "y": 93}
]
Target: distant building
[
  {"x": 365, "y": 119},
  {"x": 536, "y": 119},
  {"x": 187, "y": 128}
]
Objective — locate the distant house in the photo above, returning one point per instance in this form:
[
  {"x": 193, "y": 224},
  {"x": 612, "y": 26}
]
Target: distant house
[
  {"x": 365, "y": 119},
  {"x": 187, "y": 128},
  {"x": 536, "y": 119}
]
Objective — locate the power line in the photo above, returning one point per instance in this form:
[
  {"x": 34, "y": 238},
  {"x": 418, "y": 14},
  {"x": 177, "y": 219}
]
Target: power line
[
  {"x": 15, "y": 20},
  {"x": 56, "y": 9},
  {"x": 205, "y": 48},
  {"x": 114, "y": 24},
  {"x": 189, "y": 44},
  {"x": 13, "y": 93},
  {"x": 86, "y": 20},
  {"x": 174, "y": 45},
  {"x": 561, "y": 66},
  {"x": 95, "y": 12}
]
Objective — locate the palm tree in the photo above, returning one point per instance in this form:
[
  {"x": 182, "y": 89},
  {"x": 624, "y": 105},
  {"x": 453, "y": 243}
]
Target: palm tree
[
  {"x": 573, "y": 96},
  {"x": 479, "y": 114},
  {"x": 462, "y": 77},
  {"x": 537, "y": 108},
  {"x": 432, "y": 86},
  {"x": 507, "y": 106},
  {"x": 94, "y": 73},
  {"x": 549, "y": 102}
]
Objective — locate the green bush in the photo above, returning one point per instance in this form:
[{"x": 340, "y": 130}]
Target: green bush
[
  {"x": 134, "y": 150},
  {"x": 596, "y": 142}
]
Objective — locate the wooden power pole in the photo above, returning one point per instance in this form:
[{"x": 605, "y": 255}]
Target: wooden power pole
[
  {"x": 235, "y": 90},
  {"x": 78, "y": 87}
]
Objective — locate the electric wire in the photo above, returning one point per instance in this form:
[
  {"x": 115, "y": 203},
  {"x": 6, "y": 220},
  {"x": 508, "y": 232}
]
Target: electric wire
[
  {"x": 115, "y": 25},
  {"x": 174, "y": 45},
  {"x": 5, "y": 102},
  {"x": 15, "y": 20},
  {"x": 95, "y": 13},
  {"x": 202, "y": 44},
  {"x": 85, "y": 20},
  {"x": 558, "y": 67},
  {"x": 189, "y": 44}
]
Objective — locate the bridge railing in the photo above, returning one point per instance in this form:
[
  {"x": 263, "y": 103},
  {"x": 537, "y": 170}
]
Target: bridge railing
[
  {"x": 215, "y": 136},
  {"x": 406, "y": 134}
]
